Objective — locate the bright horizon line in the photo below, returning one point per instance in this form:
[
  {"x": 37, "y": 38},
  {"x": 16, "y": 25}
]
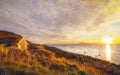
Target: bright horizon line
[
  {"x": 115, "y": 41},
  {"x": 84, "y": 43}
]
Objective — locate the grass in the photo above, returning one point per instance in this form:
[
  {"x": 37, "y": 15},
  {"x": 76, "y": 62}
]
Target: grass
[{"x": 44, "y": 60}]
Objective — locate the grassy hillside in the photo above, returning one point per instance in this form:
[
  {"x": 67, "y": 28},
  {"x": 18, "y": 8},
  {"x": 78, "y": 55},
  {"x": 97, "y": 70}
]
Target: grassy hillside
[
  {"x": 44, "y": 60},
  {"x": 9, "y": 38}
]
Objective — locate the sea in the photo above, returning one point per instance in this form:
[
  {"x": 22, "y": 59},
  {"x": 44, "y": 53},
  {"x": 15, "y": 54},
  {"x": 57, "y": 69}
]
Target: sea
[{"x": 106, "y": 52}]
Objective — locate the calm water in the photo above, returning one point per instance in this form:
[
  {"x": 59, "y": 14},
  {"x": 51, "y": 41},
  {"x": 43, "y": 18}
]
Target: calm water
[{"x": 105, "y": 52}]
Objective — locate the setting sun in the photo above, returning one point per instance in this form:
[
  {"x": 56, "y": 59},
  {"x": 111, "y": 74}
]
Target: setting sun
[{"x": 107, "y": 40}]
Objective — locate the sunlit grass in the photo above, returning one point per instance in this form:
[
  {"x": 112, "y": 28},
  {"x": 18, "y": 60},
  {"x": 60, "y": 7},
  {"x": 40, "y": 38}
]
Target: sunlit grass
[{"x": 44, "y": 60}]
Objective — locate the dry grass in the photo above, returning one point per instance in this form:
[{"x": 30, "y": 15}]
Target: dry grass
[{"x": 44, "y": 60}]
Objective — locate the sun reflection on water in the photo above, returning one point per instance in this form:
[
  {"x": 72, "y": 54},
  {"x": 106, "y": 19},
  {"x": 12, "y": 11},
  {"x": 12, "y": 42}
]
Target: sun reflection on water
[
  {"x": 108, "y": 52},
  {"x": 107, "y": 41}
]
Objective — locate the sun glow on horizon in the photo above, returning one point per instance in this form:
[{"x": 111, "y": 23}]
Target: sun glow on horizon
[{"x": 107, "y": 40}]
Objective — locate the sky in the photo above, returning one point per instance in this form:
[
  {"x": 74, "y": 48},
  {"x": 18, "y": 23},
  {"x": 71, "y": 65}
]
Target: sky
[{"x": 62, "y": 21}]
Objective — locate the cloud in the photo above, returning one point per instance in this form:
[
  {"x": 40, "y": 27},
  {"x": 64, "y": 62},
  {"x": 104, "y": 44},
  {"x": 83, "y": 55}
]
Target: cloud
[{"x": 53, "y": 19}]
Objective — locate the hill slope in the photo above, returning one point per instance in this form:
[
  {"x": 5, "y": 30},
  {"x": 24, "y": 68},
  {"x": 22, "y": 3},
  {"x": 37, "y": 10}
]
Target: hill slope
[
  {"x": 40, "y": 59},
  {"x": 9, "y": 38}
]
